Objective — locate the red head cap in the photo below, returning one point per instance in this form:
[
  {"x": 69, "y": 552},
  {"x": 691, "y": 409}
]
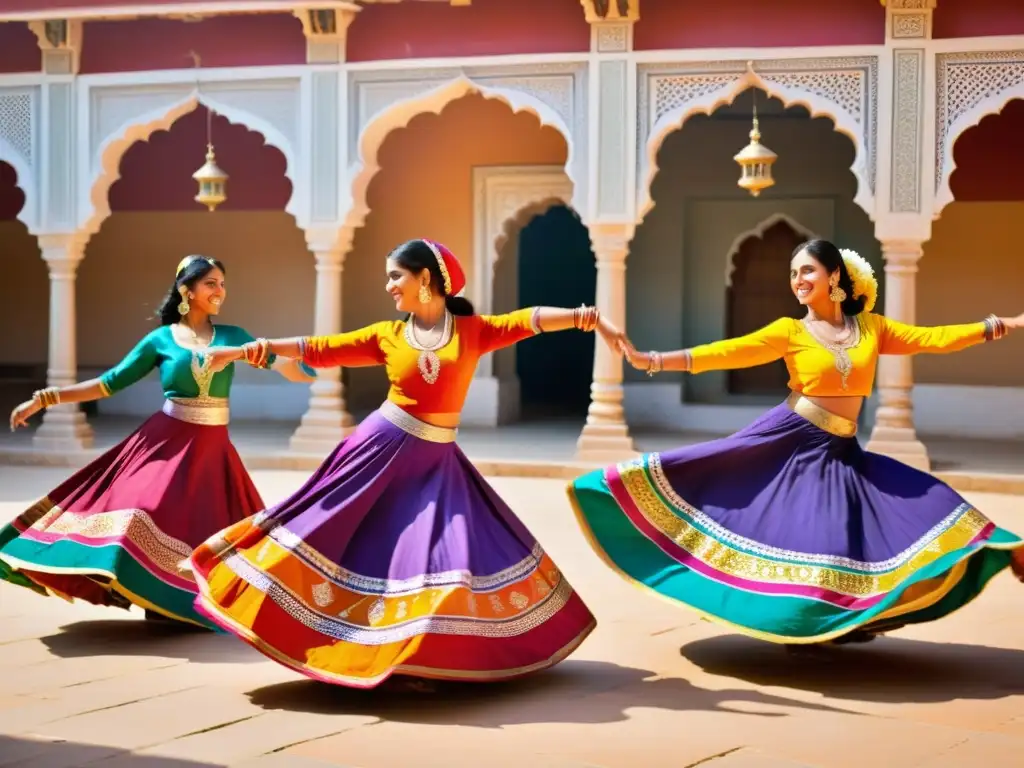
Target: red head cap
[{"x": 451, "y": 269}]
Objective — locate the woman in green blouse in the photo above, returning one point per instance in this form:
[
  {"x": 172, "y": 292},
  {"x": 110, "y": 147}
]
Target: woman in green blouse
[{"x": 115, "y": 532}]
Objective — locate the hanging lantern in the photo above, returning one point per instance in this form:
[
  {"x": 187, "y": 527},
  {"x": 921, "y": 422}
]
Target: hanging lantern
[
  {"x": 211, "y": 182},
  {"x": 755, "y": 159},
  {"x": 755, "y": 162}
]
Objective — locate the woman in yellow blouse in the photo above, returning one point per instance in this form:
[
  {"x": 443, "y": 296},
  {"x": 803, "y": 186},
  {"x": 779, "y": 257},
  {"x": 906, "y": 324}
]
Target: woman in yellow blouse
[
  {"x": 788, "y": 530},
  {"x": 397, "y": 557}
]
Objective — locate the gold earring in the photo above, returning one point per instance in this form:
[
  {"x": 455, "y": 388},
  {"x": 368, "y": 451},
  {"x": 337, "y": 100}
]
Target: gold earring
[
  {"x": 424, "y": 294},
  {"x": 837, "y": 295},
  {"x": 183, "y": 307}
]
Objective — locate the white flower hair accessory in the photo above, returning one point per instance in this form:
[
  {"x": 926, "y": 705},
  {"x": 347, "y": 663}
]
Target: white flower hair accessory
[{"x": 863, "y": 277}]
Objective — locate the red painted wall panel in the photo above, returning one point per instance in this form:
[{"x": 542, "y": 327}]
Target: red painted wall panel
[
  {"x": 221, "y": 41},
  {"x": 978, "y": 18},
  {"x": 412, "y": 30},
  {"x": 12, "y": 199},
  {"x": 758, "y": 23},
  {"x": 156, "y": 175},
  {"x": 19, "y": 49},
  {"x": 989, "y": 157}
]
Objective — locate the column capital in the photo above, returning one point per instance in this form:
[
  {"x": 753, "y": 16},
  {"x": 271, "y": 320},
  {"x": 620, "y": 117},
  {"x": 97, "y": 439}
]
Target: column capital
[
  {"x": 610, "y": 242},
  {"x": 62, "y": 252},
  {"x": 902, "y": 255},
  {"x": 330, "y": 244}
]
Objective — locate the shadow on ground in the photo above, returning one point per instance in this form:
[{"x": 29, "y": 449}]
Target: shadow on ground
[
  {"x": 148, "y": 638},
  {"x": 15, "y": 751},
  {"x": 573, "y": 692},
  {"x": 888, "y": 670}
]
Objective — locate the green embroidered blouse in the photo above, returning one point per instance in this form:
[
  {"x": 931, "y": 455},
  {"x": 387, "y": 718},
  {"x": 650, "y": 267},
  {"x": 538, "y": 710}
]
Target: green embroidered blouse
[{"x": 182, "y": 373}]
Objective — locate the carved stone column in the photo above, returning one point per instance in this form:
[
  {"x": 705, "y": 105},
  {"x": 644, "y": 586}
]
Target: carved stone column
[
  {"x": 605, "y": 435},
  {"x": 894, "y": 434},
  {"x": 64, "y": 427},
  {"x": 327, "y": 420}
]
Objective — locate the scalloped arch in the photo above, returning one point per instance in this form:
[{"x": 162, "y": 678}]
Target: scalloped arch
[
  {"x": 993, "y": 105},
  {"x": 842, "y": 121},
  {"x": 400, "y": 114},
  {"x": 25, "y": 181},
  {"x": 526, "y": 213},
  {"x": 141, "y": 127},
  {"x": 759, "y": 231}
]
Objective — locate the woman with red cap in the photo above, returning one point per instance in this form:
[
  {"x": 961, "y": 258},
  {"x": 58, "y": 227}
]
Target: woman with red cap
[{"x": 396, "y": 557}]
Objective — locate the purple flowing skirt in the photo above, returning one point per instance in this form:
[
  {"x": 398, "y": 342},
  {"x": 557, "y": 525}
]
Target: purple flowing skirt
[
  {"x": 396, "y": 556},
  {"x": 788, "y": 532}
]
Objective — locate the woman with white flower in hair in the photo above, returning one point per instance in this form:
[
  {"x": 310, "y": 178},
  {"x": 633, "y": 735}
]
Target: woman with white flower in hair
[{"x": 788, "y": 530}]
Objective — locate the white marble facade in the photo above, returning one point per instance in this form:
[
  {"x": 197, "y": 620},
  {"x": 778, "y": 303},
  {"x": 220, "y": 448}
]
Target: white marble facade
[{"x": 902, "y": 104}]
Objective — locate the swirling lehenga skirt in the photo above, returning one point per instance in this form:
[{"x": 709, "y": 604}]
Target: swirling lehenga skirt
[
  {"x": 118, "y": 530},
  {"x": 395, "y": 558},
  {"x": 788, "y": 531}
]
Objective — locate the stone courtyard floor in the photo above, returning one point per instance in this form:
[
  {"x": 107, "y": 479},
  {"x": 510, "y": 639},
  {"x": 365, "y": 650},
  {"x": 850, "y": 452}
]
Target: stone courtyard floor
[{"x": 652, "y": 687}]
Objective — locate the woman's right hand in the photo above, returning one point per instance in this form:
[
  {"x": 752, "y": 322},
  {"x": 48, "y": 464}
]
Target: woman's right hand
[
  {"x": 24, "y": 412},
  {"x": 639, "y": 360},
  {"x": 221, "y": 357}
]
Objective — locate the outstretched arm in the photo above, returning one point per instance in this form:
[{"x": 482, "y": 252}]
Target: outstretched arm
[
  {"x": 763, "y": 346},
  {"x": 135, "y": 365},
  {"x": 896, "y": 338},
  {"x": 352, "y": 349},
  {"x": 499, "y": 331}
]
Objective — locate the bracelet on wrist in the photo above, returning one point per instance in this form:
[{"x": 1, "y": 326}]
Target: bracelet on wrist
[
  {"x": 256, "y": 353},
  {"x": 585, "y": 318},
  {"x": 46, "y": 398},
  {"x": 655, "y": 363},
  {"x": 995, "y": 328}
]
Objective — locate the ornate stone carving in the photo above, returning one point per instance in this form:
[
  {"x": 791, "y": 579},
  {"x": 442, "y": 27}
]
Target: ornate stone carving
[
  {"x": 968, "y": 87},
  {"x": 844, "y": 89},
  {"x": 908, "y": 75},
  {"x": 909, "y": 26},
  {"x": 17, "y": 121},
  {"x": 612, "y": 38}
]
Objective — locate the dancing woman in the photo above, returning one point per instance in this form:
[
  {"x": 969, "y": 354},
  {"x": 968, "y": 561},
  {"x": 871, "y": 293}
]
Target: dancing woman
[
  {"x": 115, "y": 532},
  {"x": 788, "y": 530},
  {"x": 397, "y": 557}
]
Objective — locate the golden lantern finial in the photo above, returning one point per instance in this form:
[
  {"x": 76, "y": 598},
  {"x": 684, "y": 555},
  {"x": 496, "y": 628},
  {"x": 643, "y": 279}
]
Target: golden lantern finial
[
  {"x": 755, "y": 159},
  {"x": 211, "y": 179}
]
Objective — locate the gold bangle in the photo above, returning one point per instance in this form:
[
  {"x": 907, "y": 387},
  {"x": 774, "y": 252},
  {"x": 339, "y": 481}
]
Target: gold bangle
[{"x": 47, "y": 398}]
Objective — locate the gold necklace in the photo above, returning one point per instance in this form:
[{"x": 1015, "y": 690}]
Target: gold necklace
[
  {"x": 428, "y": 362},
  {"x": 200, "y": 364},
  {"x": 839, "y": 348}
]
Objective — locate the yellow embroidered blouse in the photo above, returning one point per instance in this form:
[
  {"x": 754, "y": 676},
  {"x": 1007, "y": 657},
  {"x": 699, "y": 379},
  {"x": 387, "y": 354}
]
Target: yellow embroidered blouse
[
  {"x": 812, "y": 366},
  {"x": 386, "y": 343}
]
